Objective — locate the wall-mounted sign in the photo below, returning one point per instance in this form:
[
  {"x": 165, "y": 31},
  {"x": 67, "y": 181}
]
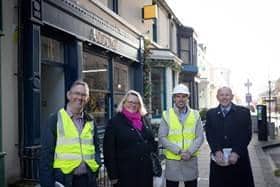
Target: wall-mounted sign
[
  {"x": 90, "y": 27},
  {"x": 103, "y": 39},
  {"x": 149, "y": 12}
]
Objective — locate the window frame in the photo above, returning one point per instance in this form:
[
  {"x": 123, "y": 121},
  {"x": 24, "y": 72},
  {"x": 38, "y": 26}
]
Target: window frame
[{"x": 162, "y": 92}]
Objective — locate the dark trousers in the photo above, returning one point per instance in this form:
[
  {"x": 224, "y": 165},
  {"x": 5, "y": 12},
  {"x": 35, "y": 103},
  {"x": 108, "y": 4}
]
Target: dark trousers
[
  {"x": 192, "y": 183},
  {"x": 81, "y": 181}
]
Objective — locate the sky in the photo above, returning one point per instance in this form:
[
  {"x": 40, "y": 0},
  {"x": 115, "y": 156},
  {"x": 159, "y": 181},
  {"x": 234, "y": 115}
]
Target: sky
[{"x": 242, "y": 35}]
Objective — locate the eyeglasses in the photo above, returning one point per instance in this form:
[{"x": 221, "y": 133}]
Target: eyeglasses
[
  {"x": 79, "y": 94},
  {"x": 132, "y": 102}
]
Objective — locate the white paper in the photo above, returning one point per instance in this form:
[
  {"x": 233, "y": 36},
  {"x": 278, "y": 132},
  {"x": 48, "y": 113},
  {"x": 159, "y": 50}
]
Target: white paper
[{"x": 226, "y": 153}]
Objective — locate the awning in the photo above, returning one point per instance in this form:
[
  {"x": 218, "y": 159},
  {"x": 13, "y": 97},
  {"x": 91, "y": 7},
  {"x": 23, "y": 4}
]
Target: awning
[{"x": 165, "y": 57}]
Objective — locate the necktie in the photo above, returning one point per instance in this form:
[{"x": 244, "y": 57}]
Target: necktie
[{"x": 225, "y": 112}]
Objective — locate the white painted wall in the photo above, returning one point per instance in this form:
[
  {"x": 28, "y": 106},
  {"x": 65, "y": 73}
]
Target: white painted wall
[
  {"x": 163, "y": 28},
  {"x": 105, "y": 2},
  {"x": 9, "y": 90},
  {"x": 131, "y": 11}
]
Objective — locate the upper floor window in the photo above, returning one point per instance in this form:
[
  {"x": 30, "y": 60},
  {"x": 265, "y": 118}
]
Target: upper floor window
[
  {"x": 195, "y": 52},
  {"x": 155, "y": 30},
  {"x": 114, "y": 5},
  {"x": 185, "y": 50}
]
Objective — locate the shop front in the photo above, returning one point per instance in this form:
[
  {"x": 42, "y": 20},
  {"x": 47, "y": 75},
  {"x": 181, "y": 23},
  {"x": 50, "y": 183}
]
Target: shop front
[{"x": 62, "y": 42}]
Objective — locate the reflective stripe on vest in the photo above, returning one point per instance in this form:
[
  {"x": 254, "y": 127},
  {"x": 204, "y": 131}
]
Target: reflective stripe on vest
[
  {"x": 71, "y": 148},
  {"x": 181, "y": 135}
]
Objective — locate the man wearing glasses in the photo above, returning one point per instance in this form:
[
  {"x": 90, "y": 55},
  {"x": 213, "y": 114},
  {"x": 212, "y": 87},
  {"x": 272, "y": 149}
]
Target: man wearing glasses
[{"x": 70, "y": 151}]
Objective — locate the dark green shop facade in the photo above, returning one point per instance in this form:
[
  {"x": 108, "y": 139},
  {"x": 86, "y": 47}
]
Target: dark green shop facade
[{"x": 62, "y": 42}]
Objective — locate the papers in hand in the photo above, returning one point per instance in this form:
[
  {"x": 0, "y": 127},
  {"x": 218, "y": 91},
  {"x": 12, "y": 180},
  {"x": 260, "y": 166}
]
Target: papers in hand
[{"x": 226, "y": 153}]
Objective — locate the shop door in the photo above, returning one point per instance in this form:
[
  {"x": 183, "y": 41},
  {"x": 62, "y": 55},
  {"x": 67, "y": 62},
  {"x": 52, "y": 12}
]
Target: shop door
[
  {"x": 52, "y": 77},
  {"x": 52, "y": 90}
]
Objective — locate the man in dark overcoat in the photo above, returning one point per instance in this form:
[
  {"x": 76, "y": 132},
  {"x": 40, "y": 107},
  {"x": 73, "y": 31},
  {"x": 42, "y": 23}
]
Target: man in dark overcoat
[{"x": 228, "y": 132}]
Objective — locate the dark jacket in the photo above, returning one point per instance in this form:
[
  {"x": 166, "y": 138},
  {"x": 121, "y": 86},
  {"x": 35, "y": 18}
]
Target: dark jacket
[
  {"x": 232, "y": 131},
  {"x": 126, "y": 155},
  {"x": 48, "y": 175}
]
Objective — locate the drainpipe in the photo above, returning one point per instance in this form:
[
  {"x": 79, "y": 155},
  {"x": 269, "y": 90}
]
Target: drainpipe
[{"x": 2, "y": 154}]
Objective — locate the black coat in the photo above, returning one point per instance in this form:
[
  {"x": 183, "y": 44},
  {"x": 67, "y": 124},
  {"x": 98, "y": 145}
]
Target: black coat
[
  {"x": 126, "y": 155},
  {"x": 232, "y": 131}
]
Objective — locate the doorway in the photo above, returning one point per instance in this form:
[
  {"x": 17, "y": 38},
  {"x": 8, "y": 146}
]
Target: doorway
[
  {"x": 52, "y": 77},
  {"x": 52, "y": 90}
]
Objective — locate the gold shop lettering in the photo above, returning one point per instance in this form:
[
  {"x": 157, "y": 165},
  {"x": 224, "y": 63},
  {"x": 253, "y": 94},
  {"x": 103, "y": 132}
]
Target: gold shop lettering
[{"x": 103, "y": 39}]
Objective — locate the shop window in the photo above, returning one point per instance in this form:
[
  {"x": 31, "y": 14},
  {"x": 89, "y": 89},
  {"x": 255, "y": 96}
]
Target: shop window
[
  {"x": 120, "y": 82},
  {"x": 158, "y": 93},
  {"x": 173, "y": 78},
  {"x": 95, "y": 72},
  {"x": 52, "y": 50},
  {"x": 120, "y": 77}
]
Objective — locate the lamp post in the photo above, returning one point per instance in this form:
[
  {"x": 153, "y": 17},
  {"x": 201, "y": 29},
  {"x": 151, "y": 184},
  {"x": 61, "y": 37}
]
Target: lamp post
[
  {"x": 269, "y": 101},
  {"x": 248, "y": 84},
  {"x": 270, "y": 124}
]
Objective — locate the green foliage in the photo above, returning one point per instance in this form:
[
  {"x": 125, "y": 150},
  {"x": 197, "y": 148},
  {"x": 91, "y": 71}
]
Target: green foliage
[
  {"x": 202, "y": 113},
  {"x": 147, "y": 80},
  {"x": 277, "y": 172}
]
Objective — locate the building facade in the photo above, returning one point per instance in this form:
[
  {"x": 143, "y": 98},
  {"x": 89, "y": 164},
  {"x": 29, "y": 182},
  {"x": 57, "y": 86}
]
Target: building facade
[
  {"x": 203, "y": 74},
  {"x": 162, "y": 59},
  {"x": 187, "y": 50},
  {"x": 9, "y": 162},
  {"x": 48, "y": 44},
  {"x": 58, "y": 42}
]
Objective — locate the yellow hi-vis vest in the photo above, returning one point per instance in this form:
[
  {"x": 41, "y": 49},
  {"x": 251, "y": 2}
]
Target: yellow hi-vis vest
[
  {"x": 71, "y": 148},
  {"x": 180, "y": 134}
]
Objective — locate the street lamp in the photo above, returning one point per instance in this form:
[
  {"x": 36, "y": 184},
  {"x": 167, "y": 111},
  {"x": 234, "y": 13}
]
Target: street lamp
[
  {"x": 269, "y": 101},
  {"x": 248, "y": 84}
]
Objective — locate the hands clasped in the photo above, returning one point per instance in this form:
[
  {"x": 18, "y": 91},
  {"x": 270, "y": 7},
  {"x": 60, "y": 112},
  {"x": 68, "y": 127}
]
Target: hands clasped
[
  {"x": 225, "y": 159},
  {"x": 186, "y": 155}
]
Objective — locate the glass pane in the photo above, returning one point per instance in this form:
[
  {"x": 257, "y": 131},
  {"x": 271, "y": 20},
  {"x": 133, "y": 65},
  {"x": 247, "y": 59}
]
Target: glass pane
[
  {"x": 52, "y": 90},
  {"x": 185, "y": 57},
  {"x": 157, "y": 91},
  {"x": 52, "y": 50},
  {"x": 95, "y": 71},
  {"x": 185, "y": 43},
  {"x": 98, "y": 108},
  {"x": 120, "y": 77},
  {"x": 117, "y": 100}
]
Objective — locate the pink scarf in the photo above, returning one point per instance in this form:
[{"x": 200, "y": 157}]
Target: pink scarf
[{"x": 135, "y": 118}]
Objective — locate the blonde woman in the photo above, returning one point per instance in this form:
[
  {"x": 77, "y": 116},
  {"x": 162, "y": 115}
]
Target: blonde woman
[{"x": 128, "y": 142}]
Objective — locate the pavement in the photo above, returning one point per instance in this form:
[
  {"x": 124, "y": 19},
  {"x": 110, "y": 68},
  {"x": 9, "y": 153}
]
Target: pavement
[{"x": 262, "y": 165}]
